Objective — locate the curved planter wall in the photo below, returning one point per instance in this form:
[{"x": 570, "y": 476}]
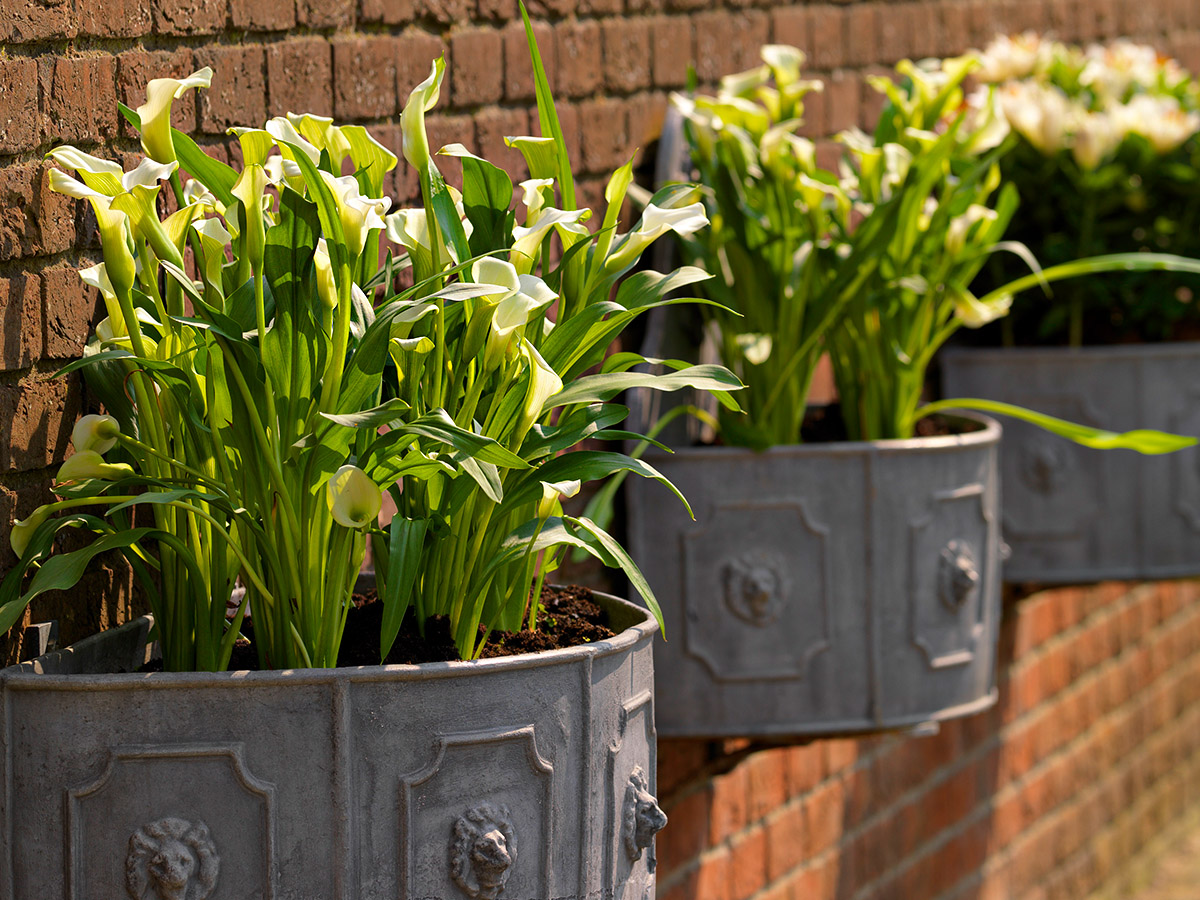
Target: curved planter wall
[
  {"x": 523, "y": 777},
  {"x": 823, "y": 588},
  {"x": 1074, "y": 514}
]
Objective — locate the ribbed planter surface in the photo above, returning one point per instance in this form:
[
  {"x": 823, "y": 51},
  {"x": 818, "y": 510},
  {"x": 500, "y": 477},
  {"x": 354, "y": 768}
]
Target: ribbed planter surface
[
  {"x": 526, "y": 777},
  {"x": 823, "y": 588},
  {"x": 1074, "y": 514}
]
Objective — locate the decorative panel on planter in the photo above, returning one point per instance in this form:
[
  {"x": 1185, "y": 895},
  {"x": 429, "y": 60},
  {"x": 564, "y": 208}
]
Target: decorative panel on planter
[
  {"x": 526, "y": 777},
  {"x": 1074, "y": 514},
  {"x": 823, "y": 588}
]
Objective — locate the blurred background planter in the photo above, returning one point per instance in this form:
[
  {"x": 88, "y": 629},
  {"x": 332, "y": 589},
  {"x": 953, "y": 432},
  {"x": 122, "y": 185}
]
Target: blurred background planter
[
  {"x": 1073, "y": 514},
  {"x": 823, "y": 588},
  {"x": 528, "y": 776}
]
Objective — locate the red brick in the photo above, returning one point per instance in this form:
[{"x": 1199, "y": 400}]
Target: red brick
[
  {"x": 189, "y": 16},
  {"x": 476, "y": 57},
  {"x": 71, "y": 309},
  {"x": 492, "y": 126},
  {"x": 386, "y": 12},
  {"x": 823, "y": 814},
  {"x": 518, "y": 67},
  {"x": 551, "y": 9},
  {"x": 790, "y": 25},
  {"x": 114, "y": 18},
  {"x": 80, "y": 104},
  {"x": 580, "y": 56},
  {"x": 714, "y": 50},
  {"x": 20, "y": 321},
  {"x": 626, "y": 54},
  {"x": 862, "y": 33},
  {"x": 415, "y": 53},
  {"x": 136, "y": 68},
  {"x": 497, "y": 10},
  {"x": 364, "y": 78},
  {"x": 327, "y": 14},
  {"x": 686, "y": 834},
  {"x": 599, "y": 7},
  {"x": 671, "y": 51},
  {"x": 748, "y": 864},
  {"x": 786, "y": 845},
  {"x": 604, "y": 134},
  {"x": 18, "y": 105},
  {"x": 238, "y": 95},
  {"x": 444, "y": 12},
  {"x": 827, "y": 35},
  {"x": 804, "y": 768},
  {"x": 646, "y": 114},
  {"x": 843, "y": 96},
  {"x": 568, "y": 121},
  {"x": 443, "y": 130},
  {"x": 40, "y": 413},
  {"x": 33, "y": 220},
  {"x": 300, "y": 77},
  {"x": 22, "y": 21},
  {"x": 749, "y": 30},
  {"x": 262, "y": 15}
]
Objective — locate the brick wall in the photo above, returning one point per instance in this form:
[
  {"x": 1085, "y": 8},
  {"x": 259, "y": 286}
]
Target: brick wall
[{"x": 1092, "y": 752}]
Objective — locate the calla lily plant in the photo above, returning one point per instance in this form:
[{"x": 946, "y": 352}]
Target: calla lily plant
[
  {"x": 871, "y": 264},
  {"x": 263, "y": 392}
]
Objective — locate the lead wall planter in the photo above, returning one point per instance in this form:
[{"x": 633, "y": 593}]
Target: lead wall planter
[
  {"x": 1074, "y": 514},
  {"x": 823, "y": 588},
  {"x": 522, "y": 777}
]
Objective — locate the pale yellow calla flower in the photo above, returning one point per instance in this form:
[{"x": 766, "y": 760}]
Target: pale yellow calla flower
[
  {"x": 285, "y": 133},
  {"x": 95, "y": 432},
  {"x": 360, "y": 214},
  {"x": 655, "y": 222},
  {"x": 98, "y": 174},
  {"x": 354, "y": 499},
  {"x": 90, "y": 464},
  {"x": 155, "y": 113},
  {"x": 322, "y": 134},
  {"x": 513, "y": 312},
  {"x": 22, "y": 531},
  {"x": 326, "y": 285},
  {"x": 552, "y": 491},
  {"x": 412, "y": 121},
  {"x": 544, "y": 383},
  {"x": 974, "y": 313},
  {"x": 250, "y": 188},
  {"x": 960, "y": 226},
  {"x": 97, "y": 277}
]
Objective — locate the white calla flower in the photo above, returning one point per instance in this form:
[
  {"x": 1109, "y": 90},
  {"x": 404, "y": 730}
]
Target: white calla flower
[
  {"x": 155, "y": 113},
  {"x": 354, "y": 499},
  {"x": 86, "y": 464},
  {"x": 100, "y": 175},
  {"x": 94, "y": 432},
  {"x": 974, "y": 313},
  {"x": 513, "y": 312},
  {"x": 412, "y": 120},
  {"x": 552, "y": 491},
  {"x": 360, "y": 215},
  {"x": 544, "y": 383},
  {"x": 960, "y": 226},
  {"x": 22, "y": 531},
  {"x": 326, "y": 285},
  {"x": 285, "y": 133}
]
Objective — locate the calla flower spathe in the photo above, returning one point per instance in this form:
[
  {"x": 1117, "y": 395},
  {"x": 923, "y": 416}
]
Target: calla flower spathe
[
  {"x": 95, "y": 432},
  {"x": 360, "y": 214},
  {"x": 155, "y": 113},
  {"x": 412, "y": 121},
  {"x": 552, "y": 491},
  {"x": 22, "y": 531},
  {"x": 655, "y": 222},
  {"x": 544, "y": 383},
  {"x": 354, "y": 499},
  {"x": 86, "y": 464},
  {"x": 515, "y": 311},
  {"x": 250, "y": 188},
  {"x": 974, "y": 313}
]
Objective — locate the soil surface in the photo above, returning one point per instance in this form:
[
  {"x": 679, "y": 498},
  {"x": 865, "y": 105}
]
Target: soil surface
[
  {"x": 568, "y": 617},
  {"x": 824, "y": 424}
]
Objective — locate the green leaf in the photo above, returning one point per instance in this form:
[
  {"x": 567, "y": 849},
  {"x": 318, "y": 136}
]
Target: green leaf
[
  {"x": 1146, "y": 441},
  {"x": 389, "y": 413},
  {"x": 606, "y": 386},
  {"x": 405, "y": 540},
  {"x": 548, "y": 115},
  {"x": 212, "y": 173},
  {"x": 584, "y": 466},
  {"x": 487, "y": 194},
  {"x": 594, "y": 534}
]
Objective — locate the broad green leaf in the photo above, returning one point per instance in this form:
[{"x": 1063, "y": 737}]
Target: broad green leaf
[
  {"x": 604, "y": 387},
  {"x": 590, "y": 531},
  {"x": 584, "y": 466},
  {"x": 405, "y": 539}
]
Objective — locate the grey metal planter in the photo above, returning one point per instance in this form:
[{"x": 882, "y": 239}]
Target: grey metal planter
[
  {"x": 1074, "y": 514},
  {"x": 823, "y": 588},
  {"x": 527, "y": 777}
]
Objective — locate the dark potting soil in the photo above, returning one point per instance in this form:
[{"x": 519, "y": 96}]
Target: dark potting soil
[
  {"x": 568, "y": 617},
  {"x": 824, "y": 424}
]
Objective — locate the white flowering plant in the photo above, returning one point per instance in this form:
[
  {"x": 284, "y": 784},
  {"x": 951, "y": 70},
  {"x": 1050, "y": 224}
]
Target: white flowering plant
[
  {"x": 871, "y": 264},
  {"x": 1107, "y": 161},
  {"x": 266, "y": 380}
]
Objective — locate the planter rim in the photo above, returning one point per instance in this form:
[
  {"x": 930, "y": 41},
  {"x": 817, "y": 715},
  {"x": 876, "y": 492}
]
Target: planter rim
[
  {"x": 989, "y": 435},
  {"x": 24, "y": 675},
  {"x": 1094, "y": 351}
]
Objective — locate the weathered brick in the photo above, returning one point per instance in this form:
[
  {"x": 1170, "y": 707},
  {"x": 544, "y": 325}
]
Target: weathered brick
[
  {"x": 22, "y": 21},
  {"x": 476, "y": 58},
  {"x": 568, "y": 121},
  {"x": 896, "y": 34},
  {"x": 646, "y": 113},
  {"x": 300, "y": 77},
  {"x": 40, "y": 413},
  {"x": 827, "y": 35},
  {"x": 671, "y": 50},
  {"x": 20, "y": 321},
  {"x": 580, "y": 56},
  {"x": 364, "y": 78},
  {"x": 956, "y": 27},
  {"x": 496, "y": 10},
  {"x": 262, "y": 15},
  {"x": 387, "y": 12},
  {"x": 492, "y": 126},
  {"x": 789, "y": 25},
  {"x": 600, "y": 7},
  {"x": 748, "y": 864},
  {"x": 415, "y": 53},
  {"x": 136, "y": 68},
  {"x": 114, "y": 18},
  {"x": 446, "y": 129},
  {"x": 190, "y": 16},
  {"x": 843, "y": 97},
  {"x": 71, "y": 309},
  {"x": 604, "y": 130},
  {"x": 18, "y": 105},
  {"x": 80, "y": 104},
  {"x": 749, "y": 30},
  {"x": 626, "y": 54},
  {"x": 444, "y": 12},
  {"x": 34, "y": 221},
  {"x": 238, "y": 95},
  {"x": 714, "y": 56},
  {"x": 518, "y": 65},
  {"x": 324, "y": 14},
  {"x": 862, "y": 33},
  {"x": 551, "y": 9}
]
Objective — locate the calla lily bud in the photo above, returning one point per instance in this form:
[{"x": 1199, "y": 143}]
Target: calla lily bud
[
  {"x": 326, "y": 285},
  {"x": 119, "y": 264},
  {"x": 974, "y": 313},
  {"x": 412, "y": 121},
  {"x": 87, "y": 464},
  {"x": 354, "y": 499},
  {"x": 97, "y": 277},
  {"x": 22, "y": 531},
  {"x": 155, "y": 113},
  {"x": 544, "y": 383},
  {"x": 551, "y": 492},
  {"x": 250, "y": 189},
  {"x": 97, "y": 433}
]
